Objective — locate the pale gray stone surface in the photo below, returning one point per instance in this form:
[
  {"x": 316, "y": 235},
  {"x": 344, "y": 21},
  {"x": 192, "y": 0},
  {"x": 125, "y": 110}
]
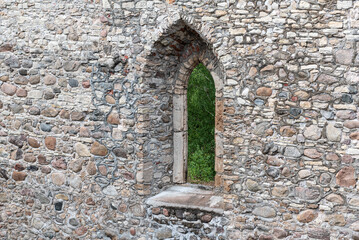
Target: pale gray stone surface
[{"x": 107, "y": 80}]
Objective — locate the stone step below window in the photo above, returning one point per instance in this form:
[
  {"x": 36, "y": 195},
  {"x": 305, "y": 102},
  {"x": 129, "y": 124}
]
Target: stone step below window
[{"x": 188, "y": 197}]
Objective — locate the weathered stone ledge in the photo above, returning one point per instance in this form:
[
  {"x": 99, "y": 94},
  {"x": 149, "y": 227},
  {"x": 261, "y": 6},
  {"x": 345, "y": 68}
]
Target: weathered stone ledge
[{"x": 188, "y": 197}]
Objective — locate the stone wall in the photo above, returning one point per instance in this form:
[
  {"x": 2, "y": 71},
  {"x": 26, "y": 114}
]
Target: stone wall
[{"x": 86, "y": 116}]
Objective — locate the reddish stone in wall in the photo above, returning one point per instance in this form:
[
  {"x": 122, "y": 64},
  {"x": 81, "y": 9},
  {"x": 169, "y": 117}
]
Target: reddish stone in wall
[
  {"x": 351, "y": 124},
  {"x": 287, "y": 131},
  {"x": 84, "y": 132},
  {"x": 354, "y": 136},
  {"x": 81, "y": 231},
  {"x": 6, "y": 47},
  {"x": 265, "y": 237},
  {"x": 8, "y": 89},
  {"x": 165, "y": 212},
  {"x": 90, "y": 201},
  {"x": 59, "y": 163},
  {"x": 50, "y": 143},
  {"x": 312, "y": 153},
  {"x": 103, "y": 170},
  {"x": 33, "y": 142},
  {"x": 21, "y": 92},
  {"x": 307, "y": 216},
  {"x": 98, "y": 149},
  {"x": 64, "y": 114},
  {"x": 332, "y": 157},
  {"x": 91, "y": 168},
  {"x": 206, "y": 218},
  {"x": 50, "y": 112},
  {"x": 346, "y": 177},
  {"x": 113, "y": 118},
  {"x": 86, "y": 84},
  {"x": 19, "y": 167},
  {"x": 77, "y": 116},
  {"x": 41, "y": 159},
  {"x": 156, "y": 211},
  {"x": 29, "y": 157},
  {"x": 252, "y": 72},
  {"x": 19, "y": 176},
  {"x": 46, "y": 169},
  {"x": 133, "y": 231},
  {"x": 264, "y": 91},
  {"x": 49, "y": 79}
]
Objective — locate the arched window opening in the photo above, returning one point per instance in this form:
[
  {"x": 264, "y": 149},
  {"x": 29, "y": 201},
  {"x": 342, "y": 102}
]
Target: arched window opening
[
  {"x": 198, "y": 154},
  {"x": 201, "y": 97},
  {"x": 163, "y": 111}
]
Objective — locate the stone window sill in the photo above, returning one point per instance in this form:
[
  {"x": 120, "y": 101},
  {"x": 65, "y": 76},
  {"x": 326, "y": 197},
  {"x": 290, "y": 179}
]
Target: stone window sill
[{"x": 188, "y": 197}]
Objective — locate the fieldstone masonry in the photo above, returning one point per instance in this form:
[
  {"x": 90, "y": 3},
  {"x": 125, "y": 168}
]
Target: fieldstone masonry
[{"x": 88, "y": 117}]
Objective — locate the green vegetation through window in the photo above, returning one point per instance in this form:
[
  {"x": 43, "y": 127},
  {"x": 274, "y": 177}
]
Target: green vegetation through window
[{"x": 201, "y": 122}]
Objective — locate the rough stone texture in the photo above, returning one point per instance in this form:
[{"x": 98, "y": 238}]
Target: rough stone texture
[
  {"x": 98, "y": 149},
  {"x": 280, "y": 191},
  {"x": 319, "y": 233},
  {"x": 252, "y": 185},
  {"x": 91, "y": 168},
  {"x": 292, "y": 152},
  {"x": 105, "y": 79},
  {"x": 312, "y": 132},
  {"x": 355, "y": 226},
  {"x": 33, "y": 142},
  {"x": 266, "y": 212},
  {"x": 346, "y": 177},
  {"x": 345, "y": 57},
  {"x": 113, "y": 118},
  {"x": 50, "y": 143},
  {"x": 77, "y": 116},
  {"x": 19, "y": 176},
  {"x": 50, "y": 112},
  {"x": 354, "y": 136},
  {"x": 332, "y": 157},
  {"x": 8, "y": 89},
  {"x": 49, "y": 80},
  {"x": 76, "y": 165},
  {"x": 327, "y": 79},
  {"x": 29, "y": 157},
  {"x": 312, "y": 153},
  {"x": 307, "y": 216},
  {"x": 351, "y": 124},
  {"x": 82, "y": 150},
  {"x": 287, "y": 131},
  {"x": 333, "y": 133},
  {"x": 58, "y": 178},
  {"x": 20, "y": 92},
  {"x": 164, "y": 233},
  {"x": 264, "y": 91},
  {"x": 335, "y": 198}
]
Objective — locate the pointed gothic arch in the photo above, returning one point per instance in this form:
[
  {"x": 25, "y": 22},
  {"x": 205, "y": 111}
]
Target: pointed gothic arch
[
  {"x": 196, "y": 54},
  {"x": 163, "y": 112}
]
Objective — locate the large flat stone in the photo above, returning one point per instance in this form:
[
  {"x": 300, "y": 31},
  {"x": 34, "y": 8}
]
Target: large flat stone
[{"x": 188, "y": 196}]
